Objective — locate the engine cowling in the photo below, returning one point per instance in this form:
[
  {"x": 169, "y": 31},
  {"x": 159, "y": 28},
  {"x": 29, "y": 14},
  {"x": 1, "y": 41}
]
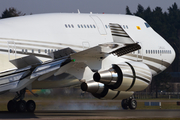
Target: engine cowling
[
  {"x": 101, "y": 91},
  {"x": 129, "y": 76}
]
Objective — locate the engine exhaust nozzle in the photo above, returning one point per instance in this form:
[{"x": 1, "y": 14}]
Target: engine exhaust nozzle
[
  {"x": 108, "y": 77},
  {"x": 92, "y": 87}
]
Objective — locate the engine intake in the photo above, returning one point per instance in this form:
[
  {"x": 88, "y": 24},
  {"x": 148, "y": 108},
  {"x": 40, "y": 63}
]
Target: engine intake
[{"x": 129, "y": 76}]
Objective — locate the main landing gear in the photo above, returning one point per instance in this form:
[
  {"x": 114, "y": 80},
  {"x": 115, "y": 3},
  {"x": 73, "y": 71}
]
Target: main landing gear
[
  {"x": 21, "y": 105},
  {"x": 129, "y": 103}
]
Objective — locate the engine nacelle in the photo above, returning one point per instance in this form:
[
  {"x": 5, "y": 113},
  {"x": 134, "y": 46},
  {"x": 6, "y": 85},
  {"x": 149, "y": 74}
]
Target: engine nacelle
[
  {"x": 101, "y": 91},
  {"x": 129, "y": 76}
]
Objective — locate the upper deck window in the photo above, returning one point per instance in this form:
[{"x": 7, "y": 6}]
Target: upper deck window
[{"x": 147, "y": 25}]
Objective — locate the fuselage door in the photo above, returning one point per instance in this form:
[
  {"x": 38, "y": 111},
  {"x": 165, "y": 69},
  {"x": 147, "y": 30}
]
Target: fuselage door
[
  {"x": 11, "y": 50},
  {"x": 99, "y": 25},
  {"x": 139, "y": 53}
]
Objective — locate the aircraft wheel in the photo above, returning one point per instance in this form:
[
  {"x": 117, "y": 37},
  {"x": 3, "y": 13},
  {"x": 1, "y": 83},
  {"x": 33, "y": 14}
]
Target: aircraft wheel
[
  {"x": 30, "y": 106},
  {"x": 124, "y": 104},
  {"x": 21, "y": 106},
  {"x": 12, "y": 106},
  {"x": 132, "y": 104}
]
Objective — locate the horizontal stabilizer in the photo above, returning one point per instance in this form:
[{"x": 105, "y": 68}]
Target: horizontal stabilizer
[{"x": 25, "y": 61}]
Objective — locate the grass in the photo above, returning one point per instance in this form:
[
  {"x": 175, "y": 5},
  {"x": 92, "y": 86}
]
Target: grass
[
  {"x": 164, "y": 105},
  {"x": 44, "y": 102}
]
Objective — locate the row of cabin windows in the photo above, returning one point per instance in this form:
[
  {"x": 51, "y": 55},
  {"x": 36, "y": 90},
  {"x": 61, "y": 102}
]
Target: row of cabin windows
[
  {"x": 123, "y": 26},
  {"x": 80, "y": 26},
  {"x": 86, "y": 26},
  {"x": 39, "y": 51},
  {"x": 90, "y": 26},
  {"x": 51, "y": 50},
  {"x": 158, "y": 51}
]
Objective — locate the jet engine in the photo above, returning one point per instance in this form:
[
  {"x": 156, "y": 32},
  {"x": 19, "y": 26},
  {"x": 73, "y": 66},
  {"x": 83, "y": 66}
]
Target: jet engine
[
  {"x": 128, "y": 76},
  {"x": 101, "y": 91}
]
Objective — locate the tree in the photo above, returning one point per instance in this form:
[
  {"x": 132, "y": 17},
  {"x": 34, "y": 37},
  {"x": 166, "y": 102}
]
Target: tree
[
  {"x": 140, "y": 11},
  {"x": 11, "y": 12},
  {"x": 128, "y": 12},
  {"x": 161, "y": 82}
]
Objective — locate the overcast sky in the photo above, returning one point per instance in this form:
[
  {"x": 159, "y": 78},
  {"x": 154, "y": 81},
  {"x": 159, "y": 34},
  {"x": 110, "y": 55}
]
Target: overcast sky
[{"x": 85, "y": 6}]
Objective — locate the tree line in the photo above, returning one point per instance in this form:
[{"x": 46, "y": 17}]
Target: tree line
[{"x": 167, "y": 24}]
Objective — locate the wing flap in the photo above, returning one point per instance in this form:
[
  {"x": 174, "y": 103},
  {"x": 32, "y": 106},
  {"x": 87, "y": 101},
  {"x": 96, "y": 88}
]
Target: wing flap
[
  {"x": 25, "y": 61},
  {"x": 120, "y": 35}
]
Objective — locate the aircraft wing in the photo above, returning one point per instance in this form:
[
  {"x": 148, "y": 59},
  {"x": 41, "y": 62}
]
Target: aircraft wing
[
  {"x": 123, "y": 44},
  {"x": 30, "y": 68}
]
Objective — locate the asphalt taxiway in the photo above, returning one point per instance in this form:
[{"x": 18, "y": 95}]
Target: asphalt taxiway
[{"x": 91, "y": 114}]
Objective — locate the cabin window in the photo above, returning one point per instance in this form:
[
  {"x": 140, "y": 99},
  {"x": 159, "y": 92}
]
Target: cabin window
[
  {"x": 32, "y": 50},
  {"x": 138, "y": 51},
  {"x": 126, "y": 26},
  {"x": 94, "y": 26},
  {"x": 66, "y": 26},
  {"x": 72, "y": 26},
  {"x": 87, "y": 26},
  {"x": 78, "y": 26},
  {"x": 26, "y": 50},
  {"x": 147, "y": 25},
  {"x": 82, "y": 26},
  {"x": 39, "y": 51},
  {"x": 22, "y": 50},
  {"x": 91, "y": 26},
  {"x": 106, "y": 26},
  {"x": 45, "y": 51}
]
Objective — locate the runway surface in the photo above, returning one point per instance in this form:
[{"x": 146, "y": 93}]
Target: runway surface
[{"x": 91, "y": 114}]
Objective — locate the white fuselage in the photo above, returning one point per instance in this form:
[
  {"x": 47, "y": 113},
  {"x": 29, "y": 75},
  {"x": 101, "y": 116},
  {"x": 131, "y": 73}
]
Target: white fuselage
[{"x": 42, "y": 34}]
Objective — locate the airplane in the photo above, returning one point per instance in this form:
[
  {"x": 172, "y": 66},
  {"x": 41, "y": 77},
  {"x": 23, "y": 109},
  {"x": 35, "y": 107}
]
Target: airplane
[{"x": 110, "y": 56}]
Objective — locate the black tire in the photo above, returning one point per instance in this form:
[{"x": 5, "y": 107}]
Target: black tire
[
  {"x": 11, "y": 106},
  {"x": 124, "y": 104},
  {"x": 21, "y": 106},
  {"x": 30, "y": 106},
  {"x": 132, "y": 104}
]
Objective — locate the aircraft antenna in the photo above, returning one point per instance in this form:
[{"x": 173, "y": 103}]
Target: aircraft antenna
[{"x": 78, "y": 11}]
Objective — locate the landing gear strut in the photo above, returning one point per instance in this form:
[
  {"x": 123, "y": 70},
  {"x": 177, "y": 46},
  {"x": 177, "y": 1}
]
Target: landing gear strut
[
  {"x": 129, "y": 103},
  {"x": 21, "y": 105}
]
